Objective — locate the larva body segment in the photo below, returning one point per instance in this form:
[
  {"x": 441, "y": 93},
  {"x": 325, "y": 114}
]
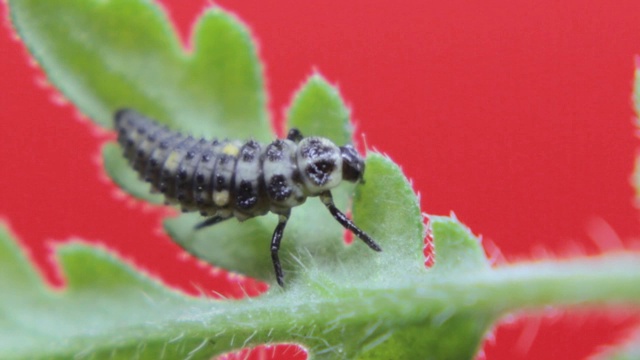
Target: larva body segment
[{"x": 228, "y": 178}]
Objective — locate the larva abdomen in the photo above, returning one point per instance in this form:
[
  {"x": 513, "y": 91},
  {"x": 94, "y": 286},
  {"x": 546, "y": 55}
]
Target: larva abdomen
[{"x": 195, "y": 173}]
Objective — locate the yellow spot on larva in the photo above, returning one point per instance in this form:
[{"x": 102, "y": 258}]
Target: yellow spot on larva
[
  {"x": 231, "y": 149},
  {"x": 172, "y": 161},
  {"x": 221, "y": 198}
]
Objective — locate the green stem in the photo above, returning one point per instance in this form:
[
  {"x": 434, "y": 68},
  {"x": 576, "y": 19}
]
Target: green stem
[
  {"x": 433, "y": 305},
  {"x": 595, "y": 282}
]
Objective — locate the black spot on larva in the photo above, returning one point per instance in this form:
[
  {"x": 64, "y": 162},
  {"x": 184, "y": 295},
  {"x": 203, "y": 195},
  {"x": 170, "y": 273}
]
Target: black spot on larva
[
  {"x": 224, "y": 158},
  {"x": 162, "y": 188},
  {"x": 249, "y": 151},
  {"x": 153, "y": 162},
  {"x": 191, "y": 154},
  {"x": 274, "y": 151},
  {"x": 140, "y": 153},
  {"x": 200, "y": 200},
  {"x": 164, "y": 145},
  {"x": 142, "y": 130},
  {"x": 206, "y": 157},
  {"x": 200, "y": 178},
  {"x": 278, "y": 188},
  {"x": 315, "y": 148},
  {"x": 181, "y": 197},
  {"x": 152, "y": 137},
  {"x": 182, "y": 174},
  {"x": 246, "y": 197},
  {"x": 320, "y": 171}
]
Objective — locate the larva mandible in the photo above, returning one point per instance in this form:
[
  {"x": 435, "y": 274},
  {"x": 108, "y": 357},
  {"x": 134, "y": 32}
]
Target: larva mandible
[{"x": 225, "y": 178}]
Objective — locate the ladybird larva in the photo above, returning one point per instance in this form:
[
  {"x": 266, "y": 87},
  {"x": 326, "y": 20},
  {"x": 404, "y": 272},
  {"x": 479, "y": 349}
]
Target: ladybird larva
[{"x": 227, "y": 178}]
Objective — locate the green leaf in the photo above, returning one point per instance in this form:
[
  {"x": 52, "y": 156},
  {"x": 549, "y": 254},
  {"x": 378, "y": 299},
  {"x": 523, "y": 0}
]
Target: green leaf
[
  {"x": 636, "y": 88},
  {"x": 317, "y": 109},
  {"x": 106, "y": 55},
  {"x": 636, "y": 102},
  {"x": 386, "y": 207},
  {"x": 630, "y": 349},
  {"x": 108, "y": 310},
  {"x": 16, "y": 270},
  {"x": 457, "y": 249},
  {"x": 340, "y": 302},
  {"x": 238, "y": 247}
]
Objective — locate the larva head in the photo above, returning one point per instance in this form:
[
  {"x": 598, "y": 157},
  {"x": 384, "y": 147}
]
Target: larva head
[
  {"x": 320, "y": 164},
  {"x": 352, "y": 164}
]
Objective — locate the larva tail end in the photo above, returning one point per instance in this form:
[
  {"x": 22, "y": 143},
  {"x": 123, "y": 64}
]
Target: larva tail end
[{"x": 122, "y": 114}]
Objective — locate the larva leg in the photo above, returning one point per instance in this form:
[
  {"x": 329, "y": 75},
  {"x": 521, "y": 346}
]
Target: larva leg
[
  {"x": 275, "y": 246},
  {"x": 211, "y": 221},
  {"x": 327, "y": 200},
  {"x": 295, "y": 135}
]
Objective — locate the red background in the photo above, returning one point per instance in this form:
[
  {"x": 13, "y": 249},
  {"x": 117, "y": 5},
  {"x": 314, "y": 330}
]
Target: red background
[{"x": 514, "y": 114}]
